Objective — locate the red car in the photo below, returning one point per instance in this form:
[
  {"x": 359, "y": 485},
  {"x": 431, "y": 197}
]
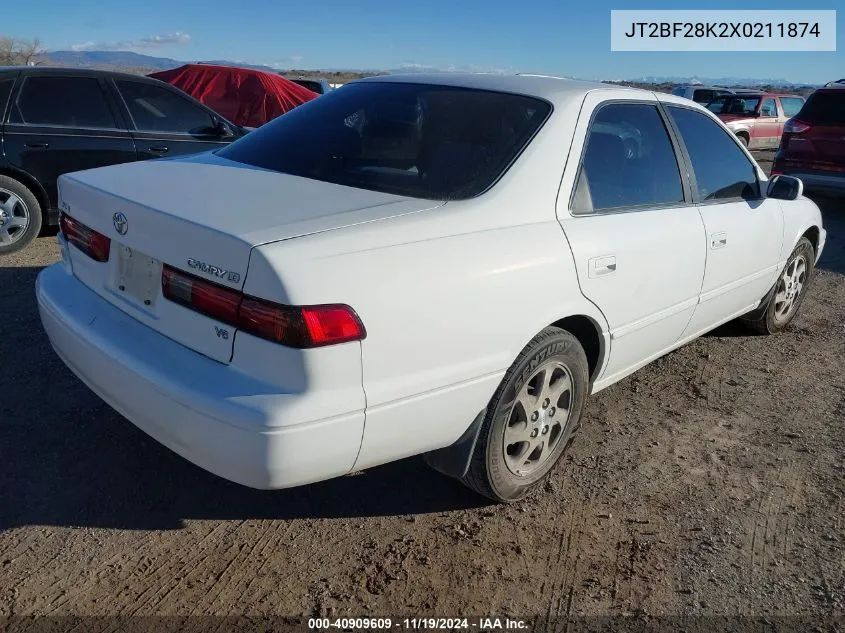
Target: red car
[
  {"x": 757, "y": 118},
  {"x": 813, "y": 143}
]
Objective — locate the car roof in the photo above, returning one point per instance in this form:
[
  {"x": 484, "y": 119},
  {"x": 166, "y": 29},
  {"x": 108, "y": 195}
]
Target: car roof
[
  {"x": 541, "y": 86},
  {"x": 65, "y": 70}
]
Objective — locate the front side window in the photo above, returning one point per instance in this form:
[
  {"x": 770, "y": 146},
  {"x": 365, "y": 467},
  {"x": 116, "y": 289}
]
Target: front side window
[
  {"x": 722, "y": 170},
  {"x": 629, "y": 161},
  {"x": 63, "y": 101},
  {"x": 791, "y": 105},
  {"x": 157, "y": 109},
  {"x": 418, "y": 140}
]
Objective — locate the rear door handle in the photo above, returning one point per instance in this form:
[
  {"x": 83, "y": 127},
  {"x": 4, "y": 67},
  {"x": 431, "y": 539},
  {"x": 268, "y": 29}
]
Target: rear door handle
[
  {"x": 718, "y": 240},
  {"x": 603, "y": 265},
  {"x": 37, "y": 145},
  {"x": 159, "y": 149}
]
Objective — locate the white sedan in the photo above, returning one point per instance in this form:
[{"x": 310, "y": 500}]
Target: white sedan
[{"x": 443, "y": 265}]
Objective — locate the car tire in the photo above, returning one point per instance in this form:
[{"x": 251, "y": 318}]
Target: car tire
[
  {"x": 743, "y": 138},
  {"x": 20, "y": 216},
  {"x": 531, "y": 418},
  {"x": 784, "y": 300}
]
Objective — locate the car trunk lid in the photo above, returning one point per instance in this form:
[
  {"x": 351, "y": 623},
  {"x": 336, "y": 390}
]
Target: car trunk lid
[{"x": 202, "y": 215}]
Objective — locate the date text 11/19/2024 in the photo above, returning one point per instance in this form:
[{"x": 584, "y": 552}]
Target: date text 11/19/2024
[{"x": 431, "y": 624}]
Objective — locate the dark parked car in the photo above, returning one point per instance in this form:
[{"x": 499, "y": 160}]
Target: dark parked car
[
  {"x": 813, "y": 143},
  {"x": 700, "y": 94},
  {"x": 320, "y": 86},
  {"x": 59, "y": 120}
]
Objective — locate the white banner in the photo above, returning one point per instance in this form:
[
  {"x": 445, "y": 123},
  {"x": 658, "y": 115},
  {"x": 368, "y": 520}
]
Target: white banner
[{"x": 725, "y": 30}]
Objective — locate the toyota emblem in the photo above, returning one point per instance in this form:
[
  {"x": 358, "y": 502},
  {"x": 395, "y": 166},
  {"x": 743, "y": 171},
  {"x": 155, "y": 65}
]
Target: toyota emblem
[{"x": 121, "y": 224}]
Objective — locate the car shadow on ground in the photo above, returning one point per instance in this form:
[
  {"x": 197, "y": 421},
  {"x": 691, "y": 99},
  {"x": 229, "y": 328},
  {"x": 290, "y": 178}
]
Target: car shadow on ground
[
  {"x": 833, "y": 216},
  {"x": 70, "y": 460}
]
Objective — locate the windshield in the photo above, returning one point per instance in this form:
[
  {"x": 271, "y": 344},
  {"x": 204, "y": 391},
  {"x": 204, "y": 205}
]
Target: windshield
[
  {"x": 417, "y": 140},
  {"x": 679, "y": 92},
  {"x": 734, "y": 105}
]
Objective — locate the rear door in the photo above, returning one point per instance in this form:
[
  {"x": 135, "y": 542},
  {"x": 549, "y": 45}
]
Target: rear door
[
  {"x": 637, "y": 240},
  {"x": 166, "y": 122},
  {"x": 766, "y": 129},
  {"x": 61, "y": 123},
  {"x": 744, "y": 229}
]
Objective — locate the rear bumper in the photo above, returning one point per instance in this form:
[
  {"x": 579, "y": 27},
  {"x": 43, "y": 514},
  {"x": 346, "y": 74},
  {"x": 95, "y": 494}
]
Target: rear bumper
[{"x": 207, "y": 412}]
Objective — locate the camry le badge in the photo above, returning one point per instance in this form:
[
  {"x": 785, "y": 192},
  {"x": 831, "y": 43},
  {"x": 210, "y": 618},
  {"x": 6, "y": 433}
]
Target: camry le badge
[
  {"x": 215, "y": 271},
  {"x": 121, "y": 224}
]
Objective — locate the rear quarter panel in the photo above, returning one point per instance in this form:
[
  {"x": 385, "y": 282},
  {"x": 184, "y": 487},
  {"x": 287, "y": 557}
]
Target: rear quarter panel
[{"x": 449, "y": 297}]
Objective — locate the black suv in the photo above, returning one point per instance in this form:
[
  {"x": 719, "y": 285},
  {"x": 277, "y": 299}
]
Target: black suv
[{"x": 58, "y": 120}]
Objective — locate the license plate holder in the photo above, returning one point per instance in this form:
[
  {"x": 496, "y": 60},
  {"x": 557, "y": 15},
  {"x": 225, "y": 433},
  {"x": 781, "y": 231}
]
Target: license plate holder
[{"x": 138, "y": 276}]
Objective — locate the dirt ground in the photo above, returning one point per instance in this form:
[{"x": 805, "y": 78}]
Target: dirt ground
[{"x": 709, "y": 483}]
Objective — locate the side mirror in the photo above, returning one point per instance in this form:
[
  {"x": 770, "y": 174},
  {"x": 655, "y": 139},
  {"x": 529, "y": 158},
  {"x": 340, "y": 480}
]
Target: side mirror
[
  {"x": 222, "y": 130},
  {"x": 785, "y": 188}
]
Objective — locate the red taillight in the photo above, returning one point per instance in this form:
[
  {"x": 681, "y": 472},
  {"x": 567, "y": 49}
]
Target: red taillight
[
  {"x": 332, "y": 324},
  {"x": 203, "y": 296},
  {"x": 794, "y": 126},
  {"x": 293, "y": 326},
  {"x": 95, "y": 245}
]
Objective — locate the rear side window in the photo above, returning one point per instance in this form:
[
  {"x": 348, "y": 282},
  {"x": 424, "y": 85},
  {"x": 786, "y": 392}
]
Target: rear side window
[
  {"x": 722, "y": 170},
  {"x": 824, "y": 108},
  {"x": 791, "y": 105},
  {"x": 63, "y": 101},
  {"x": 157, "y": 109},
  {"x": 419, "y": 140},
  {"x": 629, "y": 161}
]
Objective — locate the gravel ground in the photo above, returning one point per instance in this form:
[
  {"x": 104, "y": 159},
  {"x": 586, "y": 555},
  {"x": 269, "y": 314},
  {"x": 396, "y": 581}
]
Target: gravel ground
[{"x": 709, "y": 483}]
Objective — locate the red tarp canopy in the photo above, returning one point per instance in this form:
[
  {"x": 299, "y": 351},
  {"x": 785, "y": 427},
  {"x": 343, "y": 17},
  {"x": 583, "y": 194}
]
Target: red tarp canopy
[{"x": 242, "y": 95}]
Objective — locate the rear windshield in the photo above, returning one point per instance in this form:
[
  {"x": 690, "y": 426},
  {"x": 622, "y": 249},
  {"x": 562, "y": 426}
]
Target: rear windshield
[
  {"x": 734, "y": 105},
  {"x": 423, "y": 141},
  {"x": 824, "y": 108}
]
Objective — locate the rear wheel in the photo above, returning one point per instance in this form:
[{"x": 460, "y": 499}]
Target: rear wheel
[
  {"x": 531, "y": 418},
  {"x": 20, "y": 216},
  {"x": 788, "y": 294},
  {"x": 743, "y": 137}
]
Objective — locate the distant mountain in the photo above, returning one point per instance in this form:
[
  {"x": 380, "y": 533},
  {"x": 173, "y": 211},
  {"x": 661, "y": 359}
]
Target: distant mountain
[
  {"x": 110, "y": 59},
  {"x": 719, "y": 81},
  {"x": 125, "y": 59}
]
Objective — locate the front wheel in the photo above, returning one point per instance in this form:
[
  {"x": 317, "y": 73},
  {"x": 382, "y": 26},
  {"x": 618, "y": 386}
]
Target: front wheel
[
  {"x": 788, "y": 293},
  {"x": 531, "y": 418}
]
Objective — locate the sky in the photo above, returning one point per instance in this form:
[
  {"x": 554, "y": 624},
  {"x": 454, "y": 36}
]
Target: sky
[{"x": 562, "y": 38}]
